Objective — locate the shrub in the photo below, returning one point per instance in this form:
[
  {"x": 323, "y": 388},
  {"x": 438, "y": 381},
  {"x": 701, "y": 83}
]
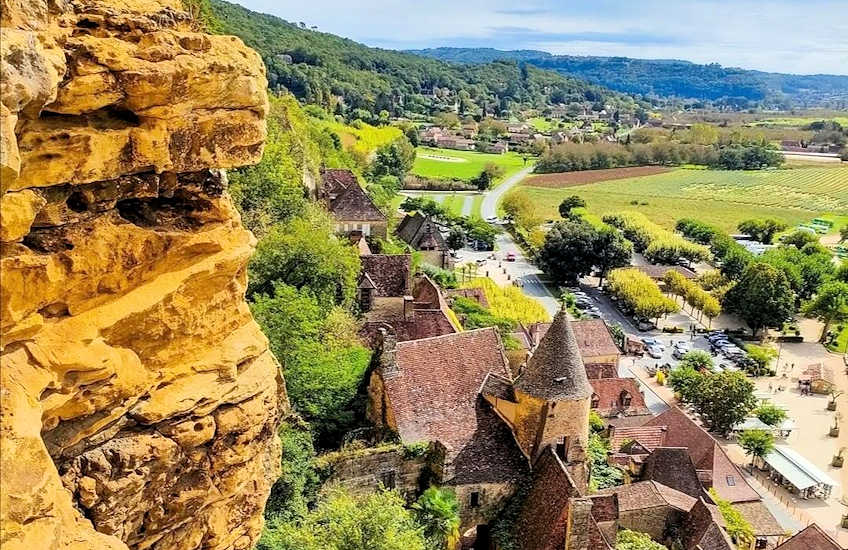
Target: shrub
[
  {"x": 640, "y": 293},
  {"x": 657, "y": 244}
]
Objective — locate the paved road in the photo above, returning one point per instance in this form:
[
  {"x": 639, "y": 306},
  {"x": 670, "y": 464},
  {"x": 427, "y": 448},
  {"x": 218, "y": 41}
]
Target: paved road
[{"x": 489, "y": 209}]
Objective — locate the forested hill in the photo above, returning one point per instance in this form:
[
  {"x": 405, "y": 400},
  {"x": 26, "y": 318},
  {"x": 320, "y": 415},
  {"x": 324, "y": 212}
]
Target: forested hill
[
  {"x": 672, "y": 78},
  {"x": 319, "y": 68}
]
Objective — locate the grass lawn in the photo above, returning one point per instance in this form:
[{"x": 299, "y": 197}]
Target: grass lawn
[
  {"x": 540, "y": 124},
  {"x": 723, "y": 198},
  {"x": 464, "y": 165},
  {"x": 476, "y": 205},
  {"x": 454, "y": 203}
]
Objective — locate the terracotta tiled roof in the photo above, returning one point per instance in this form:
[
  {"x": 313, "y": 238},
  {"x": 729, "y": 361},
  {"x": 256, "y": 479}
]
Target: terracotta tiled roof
[
  {"x": 760, "y": 518},
  {"x": 388, "y": 314},
  {"x": 593, "y": 338},
  {"x": 555, "y": 370},
  {"x": 812, "y": 537},
  {"x": 672, "y": 467},
  {"x": 434, "y": 393},
  {"x": 649, "y": 494},
  {"x": 609, "y": 392},
  {"x": 345, "y": 199},
  {"x": 649, "y": 437},
  {"x": 706, "y": 454},
  {"x": 391, "y": 274}
]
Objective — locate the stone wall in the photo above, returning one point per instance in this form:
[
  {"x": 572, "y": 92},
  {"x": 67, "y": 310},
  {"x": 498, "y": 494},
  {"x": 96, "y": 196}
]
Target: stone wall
[
  {"x": 365, "y": 471},
  {"x": 139, "y": 399}
]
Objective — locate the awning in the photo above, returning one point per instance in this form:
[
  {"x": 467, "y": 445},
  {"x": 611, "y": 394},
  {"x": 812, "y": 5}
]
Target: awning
[
  {"x": 799, "y": 471},
  {"x": 752, "y": 423}
]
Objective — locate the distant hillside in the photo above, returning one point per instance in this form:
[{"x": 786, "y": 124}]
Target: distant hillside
[
  {"x": 319, "y": 68},
  {"x": 672, "y": 78}
]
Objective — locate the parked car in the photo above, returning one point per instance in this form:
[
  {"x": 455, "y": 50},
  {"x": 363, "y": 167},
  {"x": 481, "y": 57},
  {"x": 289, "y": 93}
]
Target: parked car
[
  {"x": 510, "y": 256},
  {"x": 655, "y": 351},
  {"x": 651, "y": 341},
  {"x": 644, "y": 325},
  {"x": 680, "y": 349}
]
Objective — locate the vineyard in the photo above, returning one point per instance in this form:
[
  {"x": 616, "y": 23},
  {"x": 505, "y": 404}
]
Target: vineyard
[{"x": 723, "y": 198}]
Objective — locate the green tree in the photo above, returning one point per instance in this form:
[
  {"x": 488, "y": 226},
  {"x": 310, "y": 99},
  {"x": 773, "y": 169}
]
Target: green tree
[
  {"x": 304, "y": 253},
  {"x": 446, "y": 120},
  {"x": 437, "y": 511},
  {"x": 297, "y": 485},
  {"x": 697, "y": 359},
  {"x": 394, "y": 159},
  {"x": 567, "y": 206},
  {"x": 602, "y": 474},
  {"x": 685, "y": 381},
  {"x": 724, "y": 400},
  {"x": 610, "y": 251},
  {"x": 762, "y": 297},
  {"x": 770, "y": 414},
  {"x": 456, "y": 238},
  {"x": 341, "y": 521},
  {"x": 626, "y": 539},
  {"x": 761, "y": 356},
  {"x": 799, "y": 239},
  {"x": 483, "y": 181},
  {"x": 829, "y": 305},
  {"x": 568, "y": 252},
  {"x": 762, "y": 229}
]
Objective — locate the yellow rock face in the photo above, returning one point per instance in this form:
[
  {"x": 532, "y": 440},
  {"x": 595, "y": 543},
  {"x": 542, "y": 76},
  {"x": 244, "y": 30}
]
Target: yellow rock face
[{"x": 140, "y": 402}]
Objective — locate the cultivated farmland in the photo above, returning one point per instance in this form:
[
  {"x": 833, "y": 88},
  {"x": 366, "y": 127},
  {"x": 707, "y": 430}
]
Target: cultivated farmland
[
  {"x": 722, "y": 198},
  {"x": 464, "y": 165},
  {"x": 583, "y": 177}
]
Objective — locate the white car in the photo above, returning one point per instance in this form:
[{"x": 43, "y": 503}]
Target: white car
[
  {"x": 680, "y": 349},
  {"x": 655, "y": 351},
  {"x": 649, "y": 341}
]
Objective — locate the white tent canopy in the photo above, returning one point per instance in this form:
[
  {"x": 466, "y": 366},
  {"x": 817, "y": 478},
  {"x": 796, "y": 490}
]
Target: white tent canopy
[{"x": 797, "y": 470}]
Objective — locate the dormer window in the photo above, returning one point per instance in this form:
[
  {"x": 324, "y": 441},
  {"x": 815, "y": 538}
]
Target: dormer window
[
  {"x": 596, "y": 400},
  {"x": 625, "y": 398}
]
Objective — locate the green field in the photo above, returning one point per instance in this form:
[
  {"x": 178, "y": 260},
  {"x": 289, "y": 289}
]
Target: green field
[
  {"x": 464, "y": 165},
  {"x": 722, "y": 198},
  {"x": 362, "y": 137},
  {"x": 800, "y": 121},
  {"x": 454, "y": 203}
]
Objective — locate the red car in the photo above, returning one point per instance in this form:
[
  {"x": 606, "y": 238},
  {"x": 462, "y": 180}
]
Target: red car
[{"x": 510, "y": 256}]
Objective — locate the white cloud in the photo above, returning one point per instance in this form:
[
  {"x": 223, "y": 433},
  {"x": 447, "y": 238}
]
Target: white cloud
[{"x": 772, "y": 35}]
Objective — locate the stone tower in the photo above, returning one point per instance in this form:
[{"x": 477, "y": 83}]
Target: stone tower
[{"x": 553, "y": 396}]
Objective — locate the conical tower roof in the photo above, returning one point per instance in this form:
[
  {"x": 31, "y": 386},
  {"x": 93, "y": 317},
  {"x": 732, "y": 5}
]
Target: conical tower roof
[{"x": 556, "y": 371}]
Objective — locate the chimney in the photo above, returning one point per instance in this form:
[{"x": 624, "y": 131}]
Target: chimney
[
  {"x": 408, "y": 307},
  {"x": 387, "y": 344}
]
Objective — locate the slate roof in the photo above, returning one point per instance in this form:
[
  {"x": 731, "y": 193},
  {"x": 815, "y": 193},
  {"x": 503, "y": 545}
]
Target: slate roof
[
  {"x": 609, "y": 391},
  {"x": 498, "y": 386},
  {"x": 811, "y": 537},
  {"x": 649, "y": 437},
  {"x": 593, "y": 338},
  {"x": 649, "y": 494},
  {"x": 435, "y": 392},
  {"x": 672, "y": 467},
  {"x": 706, "y": 454},
  {"x": 702, "y": 531},
  {"x": 391, "y": 274},
  {"x": 420, "y": 231},
  {"x": 543, "y": 516},
  {"x": 345, "y": 199},
  {"x": 555, "y": 370}
]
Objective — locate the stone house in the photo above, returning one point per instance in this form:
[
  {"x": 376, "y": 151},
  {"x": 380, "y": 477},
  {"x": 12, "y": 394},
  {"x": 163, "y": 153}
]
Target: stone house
[
  {"x": 619, "y": 398},
  {"x": 651, "y": 507},
  {"x": 811, "y": 537},
  {"x": 597, "y": 348},
  {"x": 350, "y": 206},
  {"x": 423, "y": 234}
]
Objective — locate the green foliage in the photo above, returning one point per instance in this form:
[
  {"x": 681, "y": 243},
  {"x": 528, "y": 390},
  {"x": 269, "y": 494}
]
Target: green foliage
[
  {"x": 762, "y": 230},
  {"x": 596, "y": 423},
  {"x": 724, "y": 400},
  {"x": 761, "y": 356},
  {"x": 304, "y": 252},
  {"x": 693, "y": 294},
  {"x": 799, "y": 239},
  {"x": 323, "y": 363},
  {"x": 697, "y": 359},
  {"x": 805, "y": 269},
  {"x": 568, "y": 204},
  {"x": 437, "y": 511},
  {"x": 518, "y": 206},
  {"x": 770, "y": 414},
  {"x": 829, "y": 305},
  {"x": 509, "y": 302},
  {"x": 473, "y": 315},
  {"x": 394, "y": 159},
  {"x": 657, "y": 244},
  {"x": 379, "y": 521},
  {"x": 442, "y": 277},
  {"x": 602, "y": 474},
  {"x": 640, "y": 293},
  {"x": 763, "y": 297},
  {"x": 456, "y": 238},
  {"x": 626, "y": 539},
  {"x": 685, "y": 381},
  {"x": 297, "y": 485},
  {"x": 274, "y": 190},
  {"x": 737, "y": 526},
  {"x": 572, "y": 248}
]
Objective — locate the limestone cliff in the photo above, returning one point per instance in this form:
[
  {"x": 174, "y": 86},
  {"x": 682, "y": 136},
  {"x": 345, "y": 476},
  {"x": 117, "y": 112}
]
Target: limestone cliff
[{"x": 139, "y": 398}]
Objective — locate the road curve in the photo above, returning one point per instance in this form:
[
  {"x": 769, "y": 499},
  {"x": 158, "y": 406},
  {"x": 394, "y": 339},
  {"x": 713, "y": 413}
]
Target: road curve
[{"x": 489, "y": 208}]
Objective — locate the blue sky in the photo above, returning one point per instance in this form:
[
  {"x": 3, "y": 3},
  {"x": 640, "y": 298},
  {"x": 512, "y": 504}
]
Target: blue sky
[{"x": 798, "y": 36}]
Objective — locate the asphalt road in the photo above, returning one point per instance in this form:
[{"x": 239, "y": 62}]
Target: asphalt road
[{"x": 489, "y": 208}]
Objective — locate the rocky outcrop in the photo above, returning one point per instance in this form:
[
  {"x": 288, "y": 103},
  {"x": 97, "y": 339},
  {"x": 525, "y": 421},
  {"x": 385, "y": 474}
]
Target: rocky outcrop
[{"x": 139, "y": 399}]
